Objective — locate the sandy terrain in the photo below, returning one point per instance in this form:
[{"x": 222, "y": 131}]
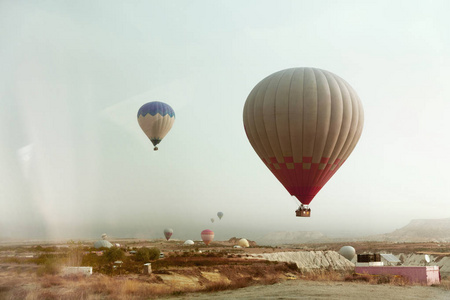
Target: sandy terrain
[{"x": 300, "y": 289}]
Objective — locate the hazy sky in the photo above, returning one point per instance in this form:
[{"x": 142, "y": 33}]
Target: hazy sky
[{"x": 74, "y": 162}]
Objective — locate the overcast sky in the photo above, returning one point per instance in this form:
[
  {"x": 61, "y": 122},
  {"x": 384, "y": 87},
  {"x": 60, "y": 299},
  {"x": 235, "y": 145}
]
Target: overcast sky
[{"x": 74, "y": 162}]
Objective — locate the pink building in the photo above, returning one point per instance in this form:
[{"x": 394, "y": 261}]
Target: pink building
[{"x": 425, "y": 275}]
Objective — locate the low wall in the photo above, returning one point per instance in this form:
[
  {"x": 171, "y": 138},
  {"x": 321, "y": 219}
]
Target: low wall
[
  {"x": 77, "y": 270},
  {"x": 426, "y": 275}
]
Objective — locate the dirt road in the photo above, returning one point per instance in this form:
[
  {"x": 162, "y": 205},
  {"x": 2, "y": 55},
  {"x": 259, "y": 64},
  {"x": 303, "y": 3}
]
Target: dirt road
[{"x": 296, "y": 289}]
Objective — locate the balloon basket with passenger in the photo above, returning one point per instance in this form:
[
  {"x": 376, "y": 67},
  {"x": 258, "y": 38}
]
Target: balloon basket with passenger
[{"x": 303, "y": 211}]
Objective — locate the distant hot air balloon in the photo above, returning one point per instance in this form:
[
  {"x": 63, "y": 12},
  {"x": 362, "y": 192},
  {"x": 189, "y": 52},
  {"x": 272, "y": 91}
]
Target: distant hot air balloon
[
  {"x": 243, "y": 243},
  {"x": 104, "y": 236},
  {"x": 156, "y": 119},
  {"x": 220, "y": 215},
  {"x": 207, "y": 236},
  {"x": 212, "y": 220},
  {"x": 348, "y": 252},
  {"x": 168, "y": 233},
  {"x": 188, "y": 243},
  {"x": 303, "y": 123}
]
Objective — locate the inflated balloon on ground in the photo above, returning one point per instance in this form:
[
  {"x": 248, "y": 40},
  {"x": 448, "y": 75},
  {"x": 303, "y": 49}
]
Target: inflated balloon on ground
[
  {"x": 243, "y": 243},
  {"x": 348, "y": 252}
]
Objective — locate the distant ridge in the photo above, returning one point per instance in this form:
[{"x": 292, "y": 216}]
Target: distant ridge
[
  {"x": 422, "y": 230},
  {"x": 297, "y": 237}
]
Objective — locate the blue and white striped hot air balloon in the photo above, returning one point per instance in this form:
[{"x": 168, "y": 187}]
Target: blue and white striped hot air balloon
[{"x": 156, "y": 119}]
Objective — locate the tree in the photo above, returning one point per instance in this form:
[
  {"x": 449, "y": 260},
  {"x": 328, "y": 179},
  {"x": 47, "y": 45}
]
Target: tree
[
  {"x": 113, "y": 254},
  {"x": 146, "y": 254}
]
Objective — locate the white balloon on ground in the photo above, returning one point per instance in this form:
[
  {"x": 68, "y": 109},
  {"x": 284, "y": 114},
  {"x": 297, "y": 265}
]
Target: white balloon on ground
[
  {"x": 102, "y": 244},
  {"x": 243, "y": 243},
  {"x": 348, "y": 252},
  {"x": 189, "y": 242}
]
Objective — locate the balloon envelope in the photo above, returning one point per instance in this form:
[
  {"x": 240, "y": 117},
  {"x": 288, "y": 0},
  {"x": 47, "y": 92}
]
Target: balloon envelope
[
  {"x": 207, "y": 236},
  {"x": 303, "y": 123},
  {"x": 243, "y": 243},
  {"x": 189, "y": 242},
  {"x": 220, "y": 215},
  {"x": 102, "y": 244},
  {"x": 348, "y": 252},
  {"x": 168, "y": 233},
  {"x": 212, "y": 220},
  {"x": 156, "y": 119}
]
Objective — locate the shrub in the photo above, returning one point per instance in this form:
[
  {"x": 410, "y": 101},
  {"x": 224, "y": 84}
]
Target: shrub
[
  {"x": 91, "y": 259},
  {"x": 146, "y": 254},
  {"x": 50, "y": 266},
  {"x": 292, "y": 266},
  {"x": 113, "y": 254}
]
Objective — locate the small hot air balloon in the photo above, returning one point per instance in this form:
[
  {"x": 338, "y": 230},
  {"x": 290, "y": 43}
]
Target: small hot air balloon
[
  {"x": 156, "y": 119},
  {"x": 104, "y": 236},
  {"x": 207, "y": 236},
  {"x": 348, "y": 252},
  {"x": 212, "y": 220},
  {"x": 243, "y": 243},
  {"x": 168, "y": 233},
  {"x": 220, "y": 215},
  {"x": 188, "y": 243},
  {"x": 303, "y": 123}
]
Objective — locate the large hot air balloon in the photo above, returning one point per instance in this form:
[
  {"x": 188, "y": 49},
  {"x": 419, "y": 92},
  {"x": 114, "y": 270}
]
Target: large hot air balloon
[
  {"x": 207, "y": 236},
  {"x": 168, "y": 233},
  {"x": 220, "y": 215},
  {"x": 156, "y": 119},
  {"x": 303, "y": 123}
]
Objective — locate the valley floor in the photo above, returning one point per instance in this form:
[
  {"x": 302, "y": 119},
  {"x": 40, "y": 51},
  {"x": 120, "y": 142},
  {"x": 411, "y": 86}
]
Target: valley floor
[{"x": 301, "y": 289}]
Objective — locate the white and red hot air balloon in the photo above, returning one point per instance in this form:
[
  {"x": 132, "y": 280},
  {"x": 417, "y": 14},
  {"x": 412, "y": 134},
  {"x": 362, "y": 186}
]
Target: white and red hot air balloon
[
  {"x": 303, "y": 123},
  {"x": 168, "y": 233}
]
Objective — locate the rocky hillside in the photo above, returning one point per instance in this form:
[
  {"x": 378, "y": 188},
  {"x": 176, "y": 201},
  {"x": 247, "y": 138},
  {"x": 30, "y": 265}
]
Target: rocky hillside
[
  {"x": 298, "y": 237},
  {"x": 433, "y": 230},
  {"x": 311, "y": 260},
  {"x": 426, "y": 230}
]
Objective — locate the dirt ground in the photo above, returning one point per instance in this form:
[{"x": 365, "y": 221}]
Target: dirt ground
[
  {"x": 300, "y": 289},
  {"x": 197, "y": 273}
]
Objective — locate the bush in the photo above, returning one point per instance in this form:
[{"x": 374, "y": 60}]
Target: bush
[
  {"x": 91, "y": 259},
  {"x": 50, "y": 266},
  {"x": 146, "y": 254},
  {"x": 113, "y": 254}
]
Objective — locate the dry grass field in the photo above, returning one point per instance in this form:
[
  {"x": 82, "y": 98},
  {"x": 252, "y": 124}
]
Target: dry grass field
[{"x": 33, "y": 272}]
